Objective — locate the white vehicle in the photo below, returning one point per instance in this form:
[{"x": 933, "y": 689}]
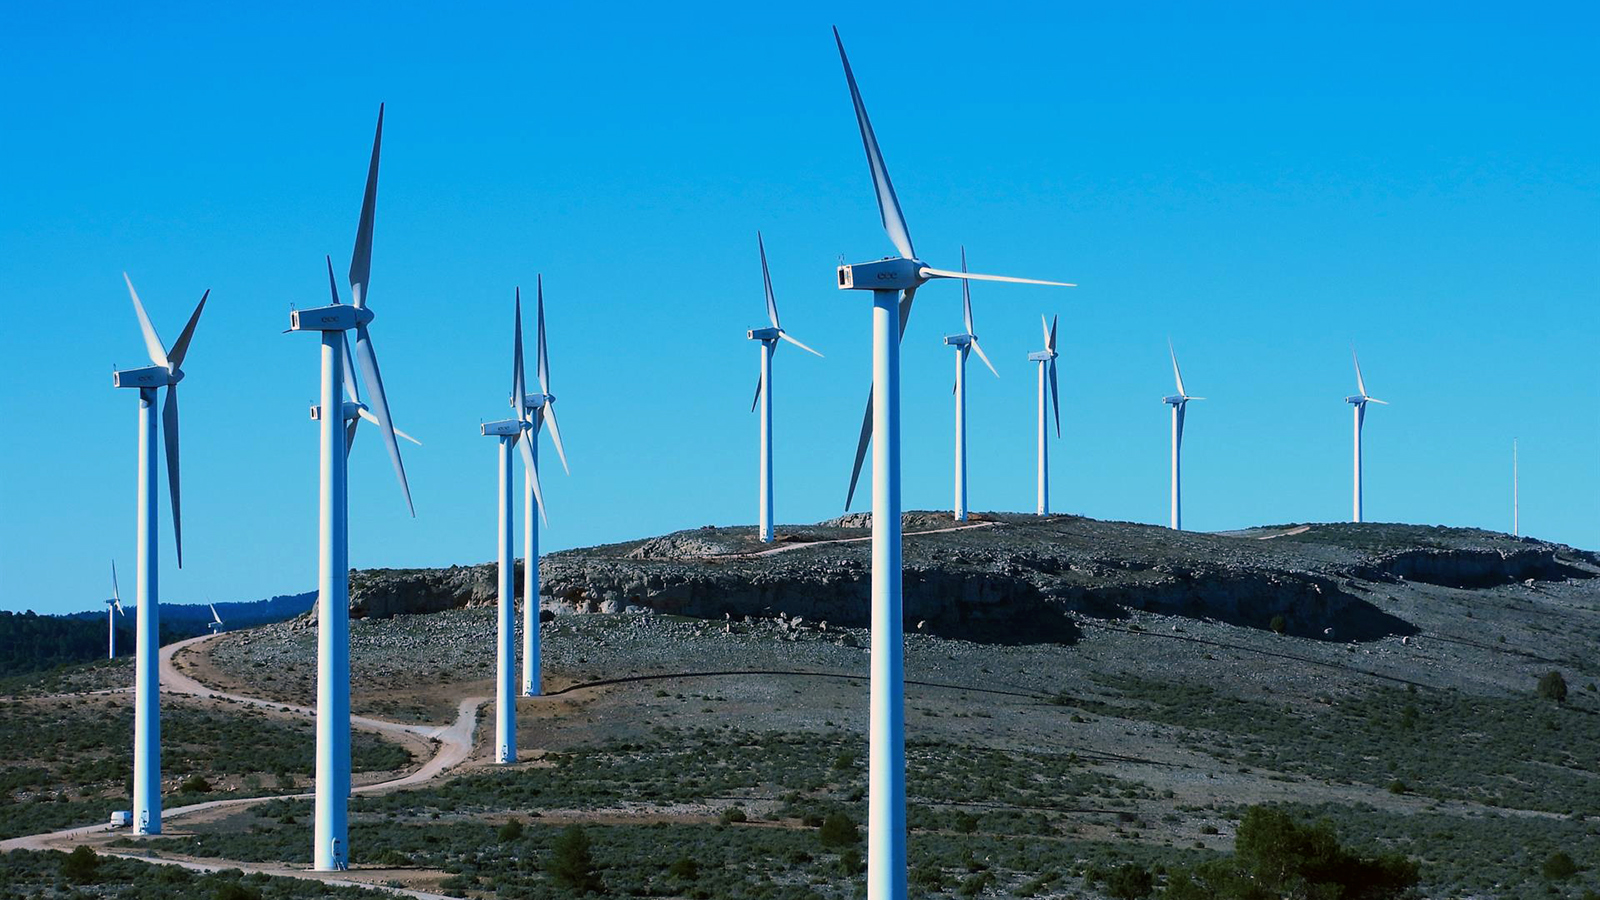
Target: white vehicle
[{"x": 121, "y": 819}]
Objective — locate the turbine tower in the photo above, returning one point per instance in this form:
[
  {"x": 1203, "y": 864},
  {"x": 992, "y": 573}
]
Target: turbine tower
[
  {"x": 1359, "y": 400},
  {"x": 508, "y": 432},
  {"x": 964, "y": 344},
  {"x": 769, "y": 338},
  {"x": 893, "y": 281},
  {"x": 1516, "y": 524},
  {"x": 533, "y": 410},
  {"x": 166, "y": 369},
  {"x": 113, "y": 609},
  {"x": 330, "y": 841},
  {"x": 1046, "y": 359},
  {"x": 1179, "y": 403}
]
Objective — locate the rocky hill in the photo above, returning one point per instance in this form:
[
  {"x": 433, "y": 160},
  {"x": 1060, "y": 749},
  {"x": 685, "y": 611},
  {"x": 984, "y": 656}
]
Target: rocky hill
[{"x": 1011, "y": 577}]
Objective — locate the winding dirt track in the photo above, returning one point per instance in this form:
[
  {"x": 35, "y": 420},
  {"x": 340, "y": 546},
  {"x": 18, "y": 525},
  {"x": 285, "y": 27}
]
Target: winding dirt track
[{"x": 452, "y": 746}]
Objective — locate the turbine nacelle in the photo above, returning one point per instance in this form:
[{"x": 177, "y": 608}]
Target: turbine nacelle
[
  {"x": 502, "y": 428},
  {"x": 532, "y": 402},
  {"x": 1175, "y": 400},
  {"x": 960, "y": 340},
  {"x": 891, "y": 273},
  {"x": 147, "y": 377},
  {"x": 1042, "y": 356},
  {"x": 763, "y": 334},
  {"x": 338, "y": 317}
]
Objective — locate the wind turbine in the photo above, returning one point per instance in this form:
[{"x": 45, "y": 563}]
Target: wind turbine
[
  {"x": 1516, "y": 524},
  {"x": 113, "y": 609},
  {"x": 215, "y": 625},
  {"x": 330, "y": 842},
  {"x": 893, "y": 281},
  {"x": 166, "y": 370},
  {"x": 1179, "y": 403},
  {"x": 964, "y": 344},
  {"x": 533, "y": 410},
  {"x": 1359, "y": 400},
  {"x": 1046, "y": 359},
  {"x": 769, "y": 338}
]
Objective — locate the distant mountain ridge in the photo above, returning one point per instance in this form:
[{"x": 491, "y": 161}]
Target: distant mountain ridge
[{"x": 30, "y": 642}]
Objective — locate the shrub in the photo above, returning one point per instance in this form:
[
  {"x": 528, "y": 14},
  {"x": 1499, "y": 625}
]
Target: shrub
[
  {"x": 732, "y": 815},
  {"x": 571, "y": 864},
  {"x": 233, "y": 890},
  {"x": 510, "y": 831},
  {"x": 850, "y": 862},
  {"x": 1558, "y": 867},
  {"x": 1553, "y": 687},
  {"x": 1275, "y": 856},
  {"x": 195, "y": 784},
  {"x": 684, "y": 868},
  {"x": 1399, "y": 787},
  {"x": 81, "y": 865},
  {"x": 1279, "y": 624},
  {"x": 1130, "y": 882},
  {"x": 838, "y": 831}
]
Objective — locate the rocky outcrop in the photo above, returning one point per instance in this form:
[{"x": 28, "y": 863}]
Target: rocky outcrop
[{"x": 1012, "y": 578}]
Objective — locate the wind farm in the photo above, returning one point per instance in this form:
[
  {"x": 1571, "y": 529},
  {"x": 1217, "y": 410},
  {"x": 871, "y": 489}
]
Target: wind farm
[{"x": 665, "y": 690}]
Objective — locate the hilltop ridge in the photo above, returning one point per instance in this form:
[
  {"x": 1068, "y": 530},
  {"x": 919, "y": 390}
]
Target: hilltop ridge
[{"x": 1013, "y": 577}]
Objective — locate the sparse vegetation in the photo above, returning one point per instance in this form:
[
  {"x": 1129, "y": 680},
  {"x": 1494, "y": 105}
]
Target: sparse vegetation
[{"x": 1552, "y": 686}]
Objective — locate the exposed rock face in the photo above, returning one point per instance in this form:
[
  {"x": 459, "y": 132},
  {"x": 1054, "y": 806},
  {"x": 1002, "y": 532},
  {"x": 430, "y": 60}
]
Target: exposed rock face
[{"x": 1016, "y": 578}]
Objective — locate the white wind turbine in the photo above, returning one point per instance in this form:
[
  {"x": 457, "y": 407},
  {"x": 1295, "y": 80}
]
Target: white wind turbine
[
  {"x": 215, "y": 625},
  {"x": 534, "y": 410},
  {"x": 769, "y": 338},
  {"x": 1516, "y": 524},
  {"x": 1359, "y": 401},
  {"x": 330, "y": 842},
  {"x": 113, "y": 609},
  {"x": 893, "y": 281},
  {"x": 1046, "y": 359},
  {"x": 964, "y": 344},
  {"x": 166, "y": 370},
  {"x": 1179, "y": 403}
]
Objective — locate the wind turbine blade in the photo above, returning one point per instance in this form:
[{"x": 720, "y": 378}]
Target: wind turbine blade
[
  {"x": 1052, "y": 336},
  {"x": 1055, "y": 399},
  {"x": 216, "y": 618},
  {"x": 757, "y": 398},
  {"x": 152, "y": 341},
  {"x": 544, "y": 354},
  {"x": 1375, "y": 400},
  {"x": 929, "y": 272},
  {"x": 380, "y": 405},
  {"x": 555, "y": 433},
  {"x": 894, "y": 221},
  {"x": 785, "y": 335},
  {"x": 169, "y": 424},
  {"x": 1044, "y": 327},
  {"x": 1176, "y": 375},
  {"x": 861, "y": 450},
  {"x": 766, "y": 281},
  {"x": 350, "y": 430},
  {"x": 533, "y": 479},
  {"x": 906, "y": 299},
  {"x": 1361, "y": 384},
  {"x": 983, "y": 356},
  {"x": 519, "y": 388},
  {"x": 333, "y": 286},
  {"x": 367, "y": 414},
  {"x": 352, "y": 384},
  {"x": 361, "y": 257},
  {"x": 966, "y": 295},
  {"x": 181, "y": 348},
  {"x": 115, "y": 594}
]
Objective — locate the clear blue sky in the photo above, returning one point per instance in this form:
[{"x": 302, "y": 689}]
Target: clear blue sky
[{"x": 1263, "y": 182}]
